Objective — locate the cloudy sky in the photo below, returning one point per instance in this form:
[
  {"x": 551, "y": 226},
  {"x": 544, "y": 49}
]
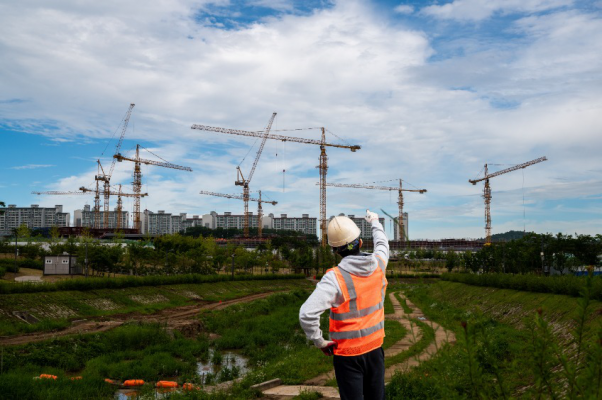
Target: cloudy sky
[{"x": 431, "y": 91}]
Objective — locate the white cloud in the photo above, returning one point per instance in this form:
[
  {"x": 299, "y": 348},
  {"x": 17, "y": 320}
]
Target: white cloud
[
  {"x": 404, "y": 9},
  {"x": 477, "y": 10},
  {"x": 432, "y": 123},
  {"x": 33, "y": 166}
]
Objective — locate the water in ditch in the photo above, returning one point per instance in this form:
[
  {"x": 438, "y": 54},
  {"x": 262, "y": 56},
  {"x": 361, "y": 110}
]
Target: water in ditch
[{"x": 220, "y": 367}]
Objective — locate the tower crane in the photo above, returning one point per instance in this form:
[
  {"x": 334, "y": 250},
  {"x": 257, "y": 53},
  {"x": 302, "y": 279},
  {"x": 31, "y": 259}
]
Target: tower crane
[
  {"x": 259, "y": 208},
  {"x": 487, "y": 190},
  {"x": 106, "y": 178},
  {"x": 400, "y": 190},
  {"x": 323, "y": 166},
  {"x": 137, "y": 183},
  {"x": 241, "y": 181}
]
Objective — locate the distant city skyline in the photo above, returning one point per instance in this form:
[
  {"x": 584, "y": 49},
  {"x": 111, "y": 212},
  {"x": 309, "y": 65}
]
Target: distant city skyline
[{"x": 431, "y": 91}]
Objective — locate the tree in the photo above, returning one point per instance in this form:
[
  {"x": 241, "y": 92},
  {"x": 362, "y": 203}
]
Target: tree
[
  {"x": 2, "y": 205},
  {"x": 451, "y": 260},
  {"x": 54, "y": 234},
  {"x": 23, "y": 231}
]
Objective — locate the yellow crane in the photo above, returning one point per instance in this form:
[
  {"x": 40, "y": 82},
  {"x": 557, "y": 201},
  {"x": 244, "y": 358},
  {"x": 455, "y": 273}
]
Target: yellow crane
[
  {"x": 119, "y": 195},
  {"x": 400, "y": 190},
  {"x": 323, "y": 166},
  {"x": 106, "y": 178},
  {"x": 137, "y": 183},
  {"x": 241, "y": 181},
  {"x": 247, "y": 199},
  {"x": 487, "y": 190}
]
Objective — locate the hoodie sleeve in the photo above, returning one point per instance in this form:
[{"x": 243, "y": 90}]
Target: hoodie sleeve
[
  {"x": 381, "y": 243},
  {"x": 326, "y": 295}
]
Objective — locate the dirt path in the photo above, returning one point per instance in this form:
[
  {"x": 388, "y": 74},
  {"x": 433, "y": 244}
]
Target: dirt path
[
  {"x": 414, "y": 335},
  {"x": 442, "y": 336},
  {"x": 180, "y": 318}
]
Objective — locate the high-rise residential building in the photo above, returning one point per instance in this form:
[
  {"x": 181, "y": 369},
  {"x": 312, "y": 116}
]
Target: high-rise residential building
[
  {"x": 365, "y": 227},
  {"x": 405, "y": 228},
  {"x": 86, "y": 218},
  {"x": 159, "y": 223},
  {"x": 305, "y": 224},
  {"x": 33, "y": 217}
]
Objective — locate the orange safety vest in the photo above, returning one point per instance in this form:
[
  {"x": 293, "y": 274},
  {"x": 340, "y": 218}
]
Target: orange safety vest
[{"x": 358, "y": 324}]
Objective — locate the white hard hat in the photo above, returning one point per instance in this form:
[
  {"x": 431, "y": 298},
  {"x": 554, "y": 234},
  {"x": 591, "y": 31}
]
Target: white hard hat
[{"x": 341, "y": 231}]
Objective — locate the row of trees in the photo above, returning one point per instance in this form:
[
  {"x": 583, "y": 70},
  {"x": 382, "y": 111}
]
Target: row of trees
[
  {"x": 178, "y": 254},
  {"x": 531, "y": 253}
]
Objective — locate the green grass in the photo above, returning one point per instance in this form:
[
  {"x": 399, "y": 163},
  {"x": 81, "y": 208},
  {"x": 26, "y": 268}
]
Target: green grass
[
  {"x": 403, "y": 302},
  {"x": 568, "y": 284},
  {"x": 500, "y": 352},
  {"x": 56, "y": 308}
]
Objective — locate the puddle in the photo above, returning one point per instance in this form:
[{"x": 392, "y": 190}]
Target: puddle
[{"x": 232, "y": 366}]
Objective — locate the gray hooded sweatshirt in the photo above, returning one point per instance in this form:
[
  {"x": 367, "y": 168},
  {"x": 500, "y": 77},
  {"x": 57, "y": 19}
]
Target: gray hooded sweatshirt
[{"x": 328, "y": 293}]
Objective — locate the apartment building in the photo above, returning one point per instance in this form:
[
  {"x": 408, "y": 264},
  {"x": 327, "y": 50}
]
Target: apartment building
[
  {"x": 304, "y": 224},
  {"x": 405, "y": 228},
  {"x": 33, "y": 217},
  {"x": 85, "y": 218}
]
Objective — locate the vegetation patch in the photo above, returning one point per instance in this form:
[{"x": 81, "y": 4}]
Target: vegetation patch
[
  {"x": 569, "y": 285},
  {"x": 515, "y": 356},
  {"x": 63, "y": 305}
]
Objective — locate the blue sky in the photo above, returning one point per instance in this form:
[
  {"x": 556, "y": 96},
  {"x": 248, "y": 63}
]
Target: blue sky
[{"x": 431, "y": 90}]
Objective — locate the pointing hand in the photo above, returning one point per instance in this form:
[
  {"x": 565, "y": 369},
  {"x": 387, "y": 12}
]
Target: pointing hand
[{"x": 370, "y": 216}]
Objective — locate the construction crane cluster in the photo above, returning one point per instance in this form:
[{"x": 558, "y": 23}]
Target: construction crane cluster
[
  {"x": 105, "y": 178},
  {"x": 323, "y": 165},
  {"x": 104, "y": 189}
]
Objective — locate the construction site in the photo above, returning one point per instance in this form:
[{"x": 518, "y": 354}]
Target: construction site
[{"x": 99, "y": 224}]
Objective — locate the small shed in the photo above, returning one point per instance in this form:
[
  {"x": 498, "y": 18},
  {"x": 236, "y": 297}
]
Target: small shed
[{"x": 64, "y": 264}]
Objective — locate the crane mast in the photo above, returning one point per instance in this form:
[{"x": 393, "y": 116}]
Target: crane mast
[
  {"x": 487, "y": 190},
  {"x": 323, "y": 166},
  {"x": 400, "y": 190},
  {"x": 137, "y": 183},
  {"x": 241, "y": 181},
  {"x": 106, "y": 178},
  {"x": 237, "y": 197}
]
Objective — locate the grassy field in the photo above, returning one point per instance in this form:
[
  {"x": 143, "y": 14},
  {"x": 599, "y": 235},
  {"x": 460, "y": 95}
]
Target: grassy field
[
  {"x": 266, "y": 332},
  {"x": 55, "y": 309},
  {"x": 510, "y": 344}
]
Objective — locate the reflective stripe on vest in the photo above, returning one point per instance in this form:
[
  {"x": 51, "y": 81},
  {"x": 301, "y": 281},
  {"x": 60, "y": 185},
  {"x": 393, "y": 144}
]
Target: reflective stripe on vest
[{"x": 357, "y": 325}]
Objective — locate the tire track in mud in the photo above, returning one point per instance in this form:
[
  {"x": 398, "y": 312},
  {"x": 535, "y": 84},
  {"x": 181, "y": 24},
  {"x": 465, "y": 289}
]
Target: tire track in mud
[{"x": 180, "y": 318}]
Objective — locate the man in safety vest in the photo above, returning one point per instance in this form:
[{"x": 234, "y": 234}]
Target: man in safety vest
[{"x": 354, "y": 291}]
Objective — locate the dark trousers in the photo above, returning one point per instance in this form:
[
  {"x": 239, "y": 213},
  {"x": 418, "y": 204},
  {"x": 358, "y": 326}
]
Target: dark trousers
[{"x": 361, "y": 377}]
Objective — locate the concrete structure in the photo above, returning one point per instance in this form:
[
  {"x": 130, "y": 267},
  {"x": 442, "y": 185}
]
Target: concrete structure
[
  {"x": 32, "y": 217},
  {"x": 396, "y": 227},
  {"x": 159, "y": 223},
  {"x": 64, "y": 264},
  {"x": 85, "y": 218},
  {"x": 162, "y": 223},
  {"x": 305, "y": 224},
  {"x": 365, "y": 227}
]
